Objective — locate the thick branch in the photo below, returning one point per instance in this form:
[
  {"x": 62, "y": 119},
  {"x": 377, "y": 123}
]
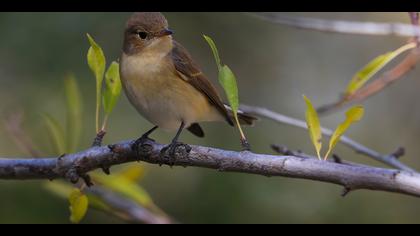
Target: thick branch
[{"x": 350, "y": 177}]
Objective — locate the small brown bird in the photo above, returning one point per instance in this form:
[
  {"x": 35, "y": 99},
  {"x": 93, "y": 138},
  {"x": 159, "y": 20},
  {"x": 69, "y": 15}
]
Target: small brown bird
[{"x": 164, "y": 84}]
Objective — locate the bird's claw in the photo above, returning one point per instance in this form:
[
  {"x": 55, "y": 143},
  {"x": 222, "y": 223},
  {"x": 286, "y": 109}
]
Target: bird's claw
[
  {"x": 140, "y": 142},
  {"x": 175, "y": 151}
]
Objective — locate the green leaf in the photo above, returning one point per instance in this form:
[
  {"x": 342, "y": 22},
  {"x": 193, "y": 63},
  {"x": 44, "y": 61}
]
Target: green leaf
[
  {"x": 226, "y": 77},
  {"x": 56, "y": 134},
  {"x": 314, "y": 127},
  {"x": 78, "y": 205},
  {"x": 228, "y": 81},
  {"x": 214, "y": 50},
  {"x": 74, "y": 113},
  {"x": 112, "y": 87},
  {"x": 354, "y": 114},
  {"x": 96, "y": 62},
  {"x": 125, "y": 187},
  {"x": 367, "y": 72}
]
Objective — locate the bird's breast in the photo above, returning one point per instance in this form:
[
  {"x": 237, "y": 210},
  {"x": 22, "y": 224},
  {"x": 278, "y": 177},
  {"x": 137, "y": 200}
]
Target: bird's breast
[
  {"x": 143, "y": 78},
  {"x": 160, "y": 95}
]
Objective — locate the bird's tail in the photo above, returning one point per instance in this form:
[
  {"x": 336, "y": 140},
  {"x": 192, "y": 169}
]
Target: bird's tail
[{"x": 244, "y": 118}]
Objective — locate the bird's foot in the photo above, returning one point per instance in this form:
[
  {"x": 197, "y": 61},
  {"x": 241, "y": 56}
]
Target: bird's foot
[
  {"x": 140, "y": 142},
  {"x": 175, "y": 151},
  {"x": 143, "y": 139}
]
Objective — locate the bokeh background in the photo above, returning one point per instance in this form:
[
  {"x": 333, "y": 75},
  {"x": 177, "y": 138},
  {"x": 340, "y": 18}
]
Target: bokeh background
[{"x": 274, "y": 64}]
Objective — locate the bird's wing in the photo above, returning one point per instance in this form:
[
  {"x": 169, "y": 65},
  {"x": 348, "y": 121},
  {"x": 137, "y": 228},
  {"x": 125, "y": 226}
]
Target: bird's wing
[{"x": 192, "y": 74}]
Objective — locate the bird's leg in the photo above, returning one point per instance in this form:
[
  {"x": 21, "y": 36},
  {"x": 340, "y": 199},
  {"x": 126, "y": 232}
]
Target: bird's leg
[
  {"x": 143, "y": 138},
  {"x": 175, "y": 142},
  {"x": 171, "y": 151}
]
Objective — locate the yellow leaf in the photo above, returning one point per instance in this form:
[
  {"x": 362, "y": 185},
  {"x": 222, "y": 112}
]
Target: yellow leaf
[
  {"x": 78, "y": 205},
  {"x": 363, "y": 76},
  {"x": 60, "y": 188},
  {"x": 314, "y": 126},
  {"x": 133, "y": 173},
  {"x": 125, "y": 187},
  {"x": 354, "y": 114},
  {"x": 63, "y": 189}
]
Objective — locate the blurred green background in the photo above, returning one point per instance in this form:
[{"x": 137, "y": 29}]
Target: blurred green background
[{"x": 274, "y": 65}]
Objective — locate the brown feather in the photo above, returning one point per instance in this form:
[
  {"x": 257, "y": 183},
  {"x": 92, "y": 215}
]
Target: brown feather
[{"x": 185, "y": 65}]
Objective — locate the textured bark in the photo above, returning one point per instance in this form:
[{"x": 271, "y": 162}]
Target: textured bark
[{"x": 351, "y": 177}]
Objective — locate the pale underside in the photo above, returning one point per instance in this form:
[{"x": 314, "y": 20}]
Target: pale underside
[{"x": 157, "y": 91}]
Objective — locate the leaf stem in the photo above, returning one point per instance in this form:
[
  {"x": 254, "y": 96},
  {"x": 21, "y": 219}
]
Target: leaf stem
[
  {"x": 244, "y": 141},
  {"x": 98, "y": 105},
  {"x": 327, "y": 154},
  {"x": 104, "y": 124}
]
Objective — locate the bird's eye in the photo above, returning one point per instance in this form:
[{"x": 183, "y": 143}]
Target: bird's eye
[{"x": 142, "y": 34}]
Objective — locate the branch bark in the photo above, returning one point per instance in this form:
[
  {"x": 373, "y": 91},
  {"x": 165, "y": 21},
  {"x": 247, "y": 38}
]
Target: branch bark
[
  {"x": 386, "y": 79},
  {"x": 348, "y": 176},
  {"x": 339, "y": 26},
  {"x": 390, "y": 159}
]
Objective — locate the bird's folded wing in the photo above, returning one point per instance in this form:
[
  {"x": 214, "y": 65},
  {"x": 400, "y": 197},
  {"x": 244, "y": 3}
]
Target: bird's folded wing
[{"x": 191, "y": 73}]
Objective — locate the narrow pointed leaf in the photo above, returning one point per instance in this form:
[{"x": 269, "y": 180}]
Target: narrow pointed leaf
[
  {"x": 214, "y": 50},
  {"x": 228, "y": 81},
  {"x": 125, "y": 187},
  {"x": 74, "y": 113},
  {"x": 96, "y": 62},
  {"x": 112, "y": 90},
  {"x": 133, "y": 173},
  {"x": 63, "y": 189},
  {"x": 367, "y": 72},
  {"x": 56, "y": 134},
  {"x": 59, "y": 188},
  {"x": 314, "y": 127},
  {"x": 78, "y": 205},
  {"x": 354, "y": 114}
]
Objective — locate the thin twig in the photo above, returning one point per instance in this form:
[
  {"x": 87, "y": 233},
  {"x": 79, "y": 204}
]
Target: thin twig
[
  {"x": 359, "y": 148},
  {"x": 13, "y": 125},
  {"x": 339, "y": 26},
  {"x": 414, "y": 18},
  {"x": 97, "y": 141},
  {"x": 131, "y": 210},
  {"x": 353, "y": 27},
  {"x": 283, "y": 150},
  {"x": 350, "y": 177},
  {"x": 128, "y": 208},
  {"x": 378, "y": 85}
]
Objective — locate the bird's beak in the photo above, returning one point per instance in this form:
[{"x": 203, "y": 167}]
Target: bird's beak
[{"x": 165, "y": 32}]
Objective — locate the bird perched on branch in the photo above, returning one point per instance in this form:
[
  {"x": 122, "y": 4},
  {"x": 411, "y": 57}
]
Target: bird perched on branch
[{"x": 163, "y": 82}]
